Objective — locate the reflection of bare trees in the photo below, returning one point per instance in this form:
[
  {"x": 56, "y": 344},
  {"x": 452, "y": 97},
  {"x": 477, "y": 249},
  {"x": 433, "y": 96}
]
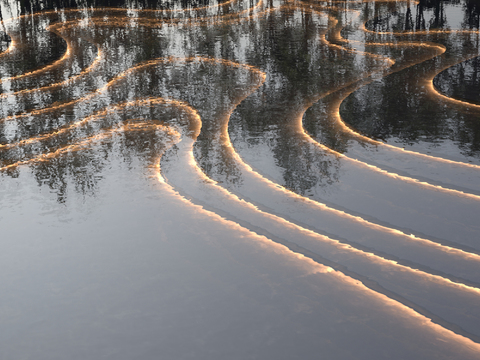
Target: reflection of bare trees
[
  {"x": 472, "y": 14},
  {"x": 420, "y": 18},
  {"x": 438, "y": 20},
  {"x": 211, "y": 86},
  {"x": 461, "y": 81},
  {"x": 300, "y": 68},
  {"x": 43, "y": 47},
  {"x": 4, "y": 38},
  {"x": 285, "y": 44},
  {"x": 388, "y": 109},
  {"x": 399, "y": 106},
  {"x": 80, "y": 170},
  {"x": 427, "y": 14},
  {"x": 34, "y": 6}
]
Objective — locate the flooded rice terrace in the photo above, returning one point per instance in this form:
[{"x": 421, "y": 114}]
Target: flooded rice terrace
[{"x": 245, "y": 179}]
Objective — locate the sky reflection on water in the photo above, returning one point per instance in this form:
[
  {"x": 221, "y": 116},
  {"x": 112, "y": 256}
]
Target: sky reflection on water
[{"x": 240, "y": 179}]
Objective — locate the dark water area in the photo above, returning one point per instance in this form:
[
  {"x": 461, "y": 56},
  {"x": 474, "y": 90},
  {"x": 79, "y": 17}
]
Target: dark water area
[
  {"x": 420, "y": 119},
  {"x": 460, "y": 81},
  {"x": 239, "y": 179}
]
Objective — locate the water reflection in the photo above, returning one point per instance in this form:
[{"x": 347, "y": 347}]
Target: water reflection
[
  {"x": 345, "y": 131},
  {"x": 460, "y": 81},
  {"x": 430, "y": 120}
]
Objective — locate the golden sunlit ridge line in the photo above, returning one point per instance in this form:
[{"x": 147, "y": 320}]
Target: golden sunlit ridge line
[
  {"x": 117, "y": 78},
  {"x": 153, "y": 62},
  {"x": 362, "y": 82},
  {"x": 142, "y": 124},
  {"x": 217, "y": 61},
  {"x": 337, "y": 36},
  {"x": 284, "y": 224},
  {"x": 47, "y": 67},
  {"x": 106, "y": 87},
  {"x": 430, "y": 79},
  {"x": 337, "y": 114},
  {"x": 82, "y": 144},
  {"x": 429, "y": 242},
  {"x": 73, "y": 22},
  {"x": 154, "y": 101},
  {"x": 426, "y": 321},
  {"x": 93, "y": 11},
  {"x": 90, "y": 68},
  {"x": 193, "y": 163},
  {"x": 226, "y": 141}
]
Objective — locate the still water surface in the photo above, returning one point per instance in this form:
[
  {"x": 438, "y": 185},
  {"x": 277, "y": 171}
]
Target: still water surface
[{"x": 240, "y": 180}]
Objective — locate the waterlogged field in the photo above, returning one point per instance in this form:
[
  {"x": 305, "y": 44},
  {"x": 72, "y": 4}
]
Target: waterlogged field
[{"x": 271, "y": 179}]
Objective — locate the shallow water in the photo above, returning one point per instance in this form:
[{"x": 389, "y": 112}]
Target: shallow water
[{"x": 271, "y": 179}]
